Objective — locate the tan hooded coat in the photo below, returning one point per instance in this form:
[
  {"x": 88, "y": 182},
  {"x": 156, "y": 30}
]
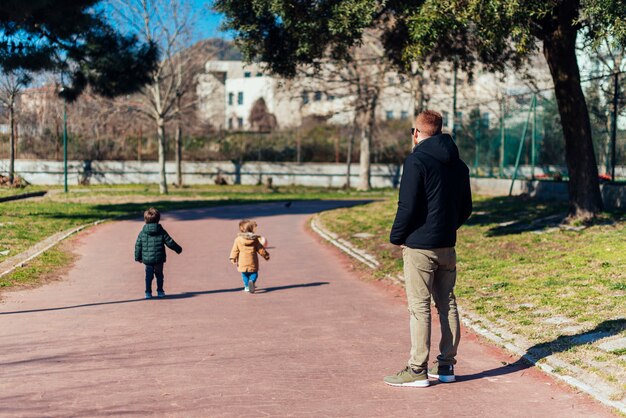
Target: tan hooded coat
[{"x": 245, "y": 250}]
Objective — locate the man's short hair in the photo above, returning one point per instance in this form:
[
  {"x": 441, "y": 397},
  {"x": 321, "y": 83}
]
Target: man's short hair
[
  {"x": 152, "y": 216},
  {"x": 429, "y": 122}
]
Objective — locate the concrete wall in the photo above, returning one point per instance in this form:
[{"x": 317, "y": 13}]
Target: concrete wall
[{"x": 282, "y": 174}]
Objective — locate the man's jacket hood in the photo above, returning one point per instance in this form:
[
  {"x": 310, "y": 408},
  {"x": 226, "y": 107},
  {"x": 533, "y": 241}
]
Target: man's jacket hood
[{"x": 440, "y": 147}]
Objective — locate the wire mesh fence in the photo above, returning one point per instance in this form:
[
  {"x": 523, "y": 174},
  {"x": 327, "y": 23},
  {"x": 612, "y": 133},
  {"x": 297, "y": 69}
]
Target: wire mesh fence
[{"x": 520, "y": 135}]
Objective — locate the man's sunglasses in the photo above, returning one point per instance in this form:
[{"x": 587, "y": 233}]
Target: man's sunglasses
[{"x": 413, "y": 131}]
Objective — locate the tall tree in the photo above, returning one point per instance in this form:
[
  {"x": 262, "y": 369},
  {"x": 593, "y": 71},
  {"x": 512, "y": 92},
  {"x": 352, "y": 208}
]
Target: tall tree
[
  {"x": 11, "y": 84},
  {"x": 74, "y": 38},
  {"x": 168, "y": 24},
  {"x": 496, "y": 33}
]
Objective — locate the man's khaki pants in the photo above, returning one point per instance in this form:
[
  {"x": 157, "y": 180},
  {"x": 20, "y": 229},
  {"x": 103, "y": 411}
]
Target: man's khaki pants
[{"x": 431, "y": 273}]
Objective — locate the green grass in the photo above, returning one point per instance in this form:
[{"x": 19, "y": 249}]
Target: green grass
[
  {"x": 33, "y": 272},
  {"x": 516, "y": 277}
]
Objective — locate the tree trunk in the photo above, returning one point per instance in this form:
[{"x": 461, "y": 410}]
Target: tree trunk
[
  {"x": 585, "y": 200},
  {"x": 161, "y": 140},
  {"x": 367, "y": 133},
  {"x": 418, "y": 106},
  {"x": 11, "y": 145},
  {"x": 179, "y": 154}
]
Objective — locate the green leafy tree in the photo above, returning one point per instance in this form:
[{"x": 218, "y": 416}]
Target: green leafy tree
[
  {"x": 73, "y": 38},
  {"x": 495, "y": 33}
]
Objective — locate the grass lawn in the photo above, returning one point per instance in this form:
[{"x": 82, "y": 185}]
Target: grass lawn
[
  {"x": 541, "y": 282},
  {"x": 26, "y": 222}
]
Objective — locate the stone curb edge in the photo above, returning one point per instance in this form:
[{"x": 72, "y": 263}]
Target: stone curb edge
[
  {"x": 473, "y": 321},
  {"x": 36, "y": 254}
]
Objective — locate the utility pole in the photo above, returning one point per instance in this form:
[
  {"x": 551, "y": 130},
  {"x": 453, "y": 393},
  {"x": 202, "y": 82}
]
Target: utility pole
[{"x": 614, "y": 125}]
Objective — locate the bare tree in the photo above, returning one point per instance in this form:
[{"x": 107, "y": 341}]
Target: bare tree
[
  {"x": 11, "y": 84},
  {"x": 167, "y": 23},
  {"x": 356, "y": 87}
]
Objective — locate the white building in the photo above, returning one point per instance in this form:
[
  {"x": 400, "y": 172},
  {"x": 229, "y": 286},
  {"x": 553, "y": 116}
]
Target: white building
[{"x": 228, "y": 90}]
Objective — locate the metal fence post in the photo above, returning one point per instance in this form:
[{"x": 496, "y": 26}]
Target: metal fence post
[
  {"x": 65, "y": 145},
  {"x": 521, "y": 143},
  {"x": 533, "y": 142},
  {"x": 614, "y": 125},
  {"x": 502, "y": 137}
]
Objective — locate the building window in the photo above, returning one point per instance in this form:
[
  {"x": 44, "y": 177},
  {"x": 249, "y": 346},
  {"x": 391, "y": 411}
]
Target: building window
[
  {"x": 404, "y": 115},
  {"x": 389, "y": 114},
  {"x": 247, "y": 74},
  {"x": 240, "y": 123},
  {"x": 240, "y": 98},
  {"x": 231, "y": 98},
  {"x": 391, "y": 80},
  {"x": 230, "y": 123},
  {"x": 486, "y": 120},
  {"x": 259, "y": 74},
  {"x": 305, "y": 97},
  {"x": 444, "y": 117},
  {"x": 318, "y": 96},
  {"x": 331, "y": 97}
]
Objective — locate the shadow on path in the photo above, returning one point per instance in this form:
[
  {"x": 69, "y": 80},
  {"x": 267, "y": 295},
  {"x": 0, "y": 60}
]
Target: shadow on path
[
  {"x": 184, "y": 295},
  {"x": 543, "y": 350}
]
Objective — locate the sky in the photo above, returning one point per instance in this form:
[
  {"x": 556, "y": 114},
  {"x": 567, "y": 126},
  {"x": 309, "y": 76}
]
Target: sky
[{"x": 208, "y": 27}]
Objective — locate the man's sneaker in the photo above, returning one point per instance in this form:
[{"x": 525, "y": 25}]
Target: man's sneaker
[
  {"x": 148, "y": 295},
  {"x": 445, "y": 373},
  {"x": 246, "y": 289},
  {"x": 252, "y": 286},
  {"x": 160, "y": 294},
  {"x": 408, "y": 378}
]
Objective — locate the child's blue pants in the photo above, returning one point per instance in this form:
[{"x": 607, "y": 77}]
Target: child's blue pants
[{"x": 249, "y": 276}]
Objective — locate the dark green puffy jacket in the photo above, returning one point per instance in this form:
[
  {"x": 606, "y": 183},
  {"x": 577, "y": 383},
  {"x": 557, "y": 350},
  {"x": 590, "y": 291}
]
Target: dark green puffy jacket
[{"x": 151, "y": 242}]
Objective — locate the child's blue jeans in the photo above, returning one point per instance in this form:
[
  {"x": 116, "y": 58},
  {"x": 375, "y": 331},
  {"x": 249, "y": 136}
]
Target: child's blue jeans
[{"x": 249, "y": 276}]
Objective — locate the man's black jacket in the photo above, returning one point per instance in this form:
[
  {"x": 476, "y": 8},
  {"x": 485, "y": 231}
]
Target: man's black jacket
[{"x": 435, "y": 196}]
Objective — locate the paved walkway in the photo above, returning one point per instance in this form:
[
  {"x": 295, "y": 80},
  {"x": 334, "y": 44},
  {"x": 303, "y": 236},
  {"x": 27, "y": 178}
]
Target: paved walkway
[{"x": 315, "y": 341}]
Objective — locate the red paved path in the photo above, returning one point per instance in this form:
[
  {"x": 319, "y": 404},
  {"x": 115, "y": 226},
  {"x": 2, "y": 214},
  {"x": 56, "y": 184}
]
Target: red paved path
[{"x": 316, "y": 343}]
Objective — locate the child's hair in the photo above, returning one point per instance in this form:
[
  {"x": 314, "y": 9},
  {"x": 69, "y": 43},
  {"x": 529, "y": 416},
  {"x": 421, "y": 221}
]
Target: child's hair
[
  {"x": 247, "y": 225},
  {"x": 152, "y": 216}
]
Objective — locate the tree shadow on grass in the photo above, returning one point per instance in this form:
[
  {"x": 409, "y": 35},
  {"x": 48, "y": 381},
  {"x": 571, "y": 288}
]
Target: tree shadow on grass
[
  {"x": 184, "y": 295},
  {"x": 559, "y": 345},
  {"x": 516, "y": 214}
]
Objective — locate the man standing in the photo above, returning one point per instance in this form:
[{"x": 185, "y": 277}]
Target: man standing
[{"x": 435, "y": 200}]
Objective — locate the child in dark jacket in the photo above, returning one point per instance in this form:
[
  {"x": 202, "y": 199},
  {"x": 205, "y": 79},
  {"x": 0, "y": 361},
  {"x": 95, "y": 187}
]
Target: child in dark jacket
[{"x": 150, "y": 250}]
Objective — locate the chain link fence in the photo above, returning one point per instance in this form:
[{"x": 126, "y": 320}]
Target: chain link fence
[{"x": 520, "y": 135}]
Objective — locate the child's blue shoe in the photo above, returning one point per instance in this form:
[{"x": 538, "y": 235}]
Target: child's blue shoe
[
  {"x": 160, "y": 294},
  {"x": 148, "y": 295}
]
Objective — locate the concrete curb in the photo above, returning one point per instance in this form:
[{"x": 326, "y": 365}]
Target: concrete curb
[
  {"x": 21, "y": 259},
  {"x": 488, "y": 330}
]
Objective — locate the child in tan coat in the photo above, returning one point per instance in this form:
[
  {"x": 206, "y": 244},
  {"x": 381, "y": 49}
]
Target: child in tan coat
[{"x": 244, "y": 254}]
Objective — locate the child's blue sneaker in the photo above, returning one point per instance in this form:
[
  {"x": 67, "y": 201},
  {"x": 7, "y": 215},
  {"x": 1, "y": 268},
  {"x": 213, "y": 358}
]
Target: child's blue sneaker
[
  {"x": 148, "y": 295},
  {"x": 161, "y": 294}
]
